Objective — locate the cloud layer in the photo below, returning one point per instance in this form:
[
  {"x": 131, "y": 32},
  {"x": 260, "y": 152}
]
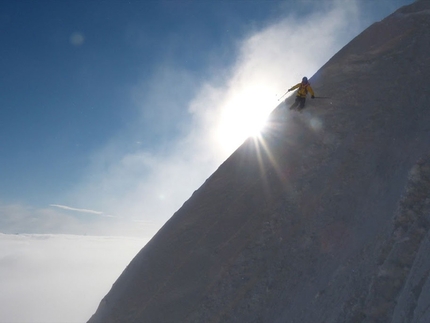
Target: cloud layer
[{"x": 59, "y": 278}]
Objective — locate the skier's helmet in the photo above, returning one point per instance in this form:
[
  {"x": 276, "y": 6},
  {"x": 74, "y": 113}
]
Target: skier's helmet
[{"x": 305, "y": 80}]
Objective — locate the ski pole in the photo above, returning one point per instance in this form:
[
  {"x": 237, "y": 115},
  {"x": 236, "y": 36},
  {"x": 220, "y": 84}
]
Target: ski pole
[
  {"x": 283, "y": 95},
  {"x": 322, "y": 97}
]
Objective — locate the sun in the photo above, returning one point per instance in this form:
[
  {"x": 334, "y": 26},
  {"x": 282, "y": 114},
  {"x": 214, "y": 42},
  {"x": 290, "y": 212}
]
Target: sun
[
  {"x": 254, "y": 124},
  {"x": 245, "y": 115}
]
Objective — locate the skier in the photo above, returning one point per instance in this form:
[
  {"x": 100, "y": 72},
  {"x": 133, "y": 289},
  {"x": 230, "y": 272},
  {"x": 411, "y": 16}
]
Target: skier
[{"x": 304, "y": 88}]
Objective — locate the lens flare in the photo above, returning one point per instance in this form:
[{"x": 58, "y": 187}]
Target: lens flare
[
  {"x": 77, "y": 39},
  {"x": 244, "y": 115}
]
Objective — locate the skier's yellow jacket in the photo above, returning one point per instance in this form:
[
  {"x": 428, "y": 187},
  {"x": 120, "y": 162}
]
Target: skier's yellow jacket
[{"x": 304, "y": 88}]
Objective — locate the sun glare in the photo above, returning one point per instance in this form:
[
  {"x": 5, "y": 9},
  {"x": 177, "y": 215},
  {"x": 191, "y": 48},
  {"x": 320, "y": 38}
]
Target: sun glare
[{"x": 244, "y": 116}]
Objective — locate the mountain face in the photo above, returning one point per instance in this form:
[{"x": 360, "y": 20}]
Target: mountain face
[{"x": 325, "y": 218}]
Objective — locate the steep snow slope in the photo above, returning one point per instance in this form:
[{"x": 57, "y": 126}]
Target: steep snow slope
[{"x": 324, "y": 220}]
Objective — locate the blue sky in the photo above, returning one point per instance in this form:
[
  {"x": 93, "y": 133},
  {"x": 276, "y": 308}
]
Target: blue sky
[
  {"x": 113, "y": 112},
  {"x": 68, "y": 67}
]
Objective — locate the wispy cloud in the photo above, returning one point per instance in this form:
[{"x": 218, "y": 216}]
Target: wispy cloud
[
  {"x": 18, "y": 218},
  {"x": 75, "y": 209}
]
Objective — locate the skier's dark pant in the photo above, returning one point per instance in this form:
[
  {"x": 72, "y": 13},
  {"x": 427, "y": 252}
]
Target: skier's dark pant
[{"x": 299, "y": 102}]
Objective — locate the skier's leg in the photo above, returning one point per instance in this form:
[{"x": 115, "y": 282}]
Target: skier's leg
[
  {"x": 302, "y": 103},
  {"x": 296, "y": 103}
]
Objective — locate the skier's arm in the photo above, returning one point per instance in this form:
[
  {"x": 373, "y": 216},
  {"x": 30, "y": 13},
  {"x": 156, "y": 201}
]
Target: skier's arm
[{"x": 294, "y": 87}]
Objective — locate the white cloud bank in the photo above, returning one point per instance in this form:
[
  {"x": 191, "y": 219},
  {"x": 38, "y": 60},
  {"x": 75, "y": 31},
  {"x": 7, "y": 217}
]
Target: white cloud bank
[{"x": 59, "y": 278}]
